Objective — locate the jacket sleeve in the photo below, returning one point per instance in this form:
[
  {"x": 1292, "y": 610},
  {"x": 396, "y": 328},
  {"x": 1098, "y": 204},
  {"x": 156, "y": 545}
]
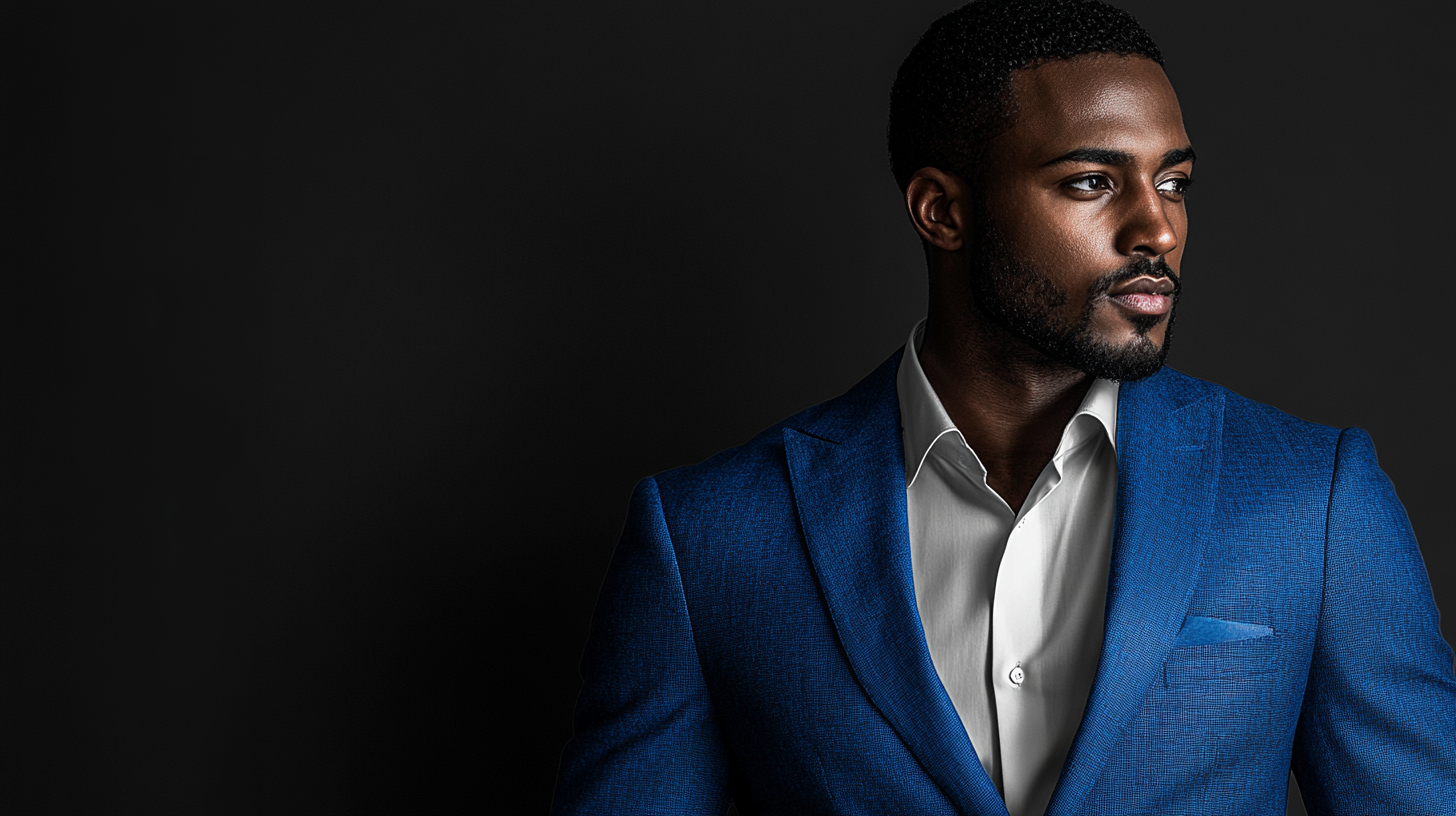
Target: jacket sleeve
[
  {"x": 647, "y": 740},
  {"x": 1377, "y": 733}
]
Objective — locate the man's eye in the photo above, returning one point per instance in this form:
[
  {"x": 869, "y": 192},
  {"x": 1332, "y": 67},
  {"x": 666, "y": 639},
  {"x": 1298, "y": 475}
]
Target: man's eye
[
  {"x": 1090, "y": 184},
  {"x": 1177, "y": 186}
]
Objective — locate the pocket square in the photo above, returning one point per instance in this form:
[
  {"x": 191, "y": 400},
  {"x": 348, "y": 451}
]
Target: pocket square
[{"x": 1199, "y": 631}]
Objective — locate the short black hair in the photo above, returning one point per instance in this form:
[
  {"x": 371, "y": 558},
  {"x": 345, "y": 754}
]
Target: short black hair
[{"x": 952, "y": 94}]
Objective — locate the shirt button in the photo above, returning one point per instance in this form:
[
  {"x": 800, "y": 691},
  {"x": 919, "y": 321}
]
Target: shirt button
[{"x": 1017, "y": 676}]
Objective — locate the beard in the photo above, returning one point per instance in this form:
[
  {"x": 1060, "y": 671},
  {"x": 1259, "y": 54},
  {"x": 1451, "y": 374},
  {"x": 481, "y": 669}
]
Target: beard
[{"x": 1021, "y": 298}]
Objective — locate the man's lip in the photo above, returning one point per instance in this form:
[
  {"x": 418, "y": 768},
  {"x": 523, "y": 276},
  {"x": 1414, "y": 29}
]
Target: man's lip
[
  {"x": 1144, "y": 303},
  {"x": 1143, "y": 285}
]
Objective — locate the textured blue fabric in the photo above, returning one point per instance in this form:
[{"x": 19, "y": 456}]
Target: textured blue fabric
[
  {"x": 1201, "y": 631},
  {"x": 757, "y": 637}
]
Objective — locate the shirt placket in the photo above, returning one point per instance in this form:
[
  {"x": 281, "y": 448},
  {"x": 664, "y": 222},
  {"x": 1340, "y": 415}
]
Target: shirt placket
[{"x": 1016, "y": 636}]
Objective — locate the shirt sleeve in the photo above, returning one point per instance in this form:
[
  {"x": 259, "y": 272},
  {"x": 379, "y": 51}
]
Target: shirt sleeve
[
  {"x": 1377, "y": 733},
  {"x": 647, "y": 739}
]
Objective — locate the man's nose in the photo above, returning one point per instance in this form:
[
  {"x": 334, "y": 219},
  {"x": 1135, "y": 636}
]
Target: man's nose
[{"x": 1146, "y": 229}]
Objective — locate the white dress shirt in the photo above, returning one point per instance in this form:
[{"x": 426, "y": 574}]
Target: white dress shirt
[{"x": 1012, "y": 603}]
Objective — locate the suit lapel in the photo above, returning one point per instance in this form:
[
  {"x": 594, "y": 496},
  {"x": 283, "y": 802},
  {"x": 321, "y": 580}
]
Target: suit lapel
[
  {"x": 848, "y": 477},
  {"x": 1168, "y": 449}
]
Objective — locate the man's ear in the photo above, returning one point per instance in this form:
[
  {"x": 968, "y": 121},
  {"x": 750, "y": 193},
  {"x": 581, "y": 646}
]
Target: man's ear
[{"x": 940, "y": 208}]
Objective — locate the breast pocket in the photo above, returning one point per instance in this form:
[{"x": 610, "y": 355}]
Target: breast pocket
[{"x": 1226, "y": 652}]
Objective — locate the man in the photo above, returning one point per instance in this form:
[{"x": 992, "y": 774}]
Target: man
[{"x": 1022, "y": 568}]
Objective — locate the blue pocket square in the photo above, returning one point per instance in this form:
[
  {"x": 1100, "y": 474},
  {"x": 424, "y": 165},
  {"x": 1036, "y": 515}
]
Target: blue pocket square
[{"x": 1208, "y": 631}]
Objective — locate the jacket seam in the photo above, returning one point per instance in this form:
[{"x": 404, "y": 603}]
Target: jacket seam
[
  {"x": 692, "y": 631},
  {"x": 1325, "y": 556}
]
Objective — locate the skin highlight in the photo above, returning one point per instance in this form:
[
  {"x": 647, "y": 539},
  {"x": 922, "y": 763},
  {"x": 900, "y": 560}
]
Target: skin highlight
[{"x": 1088, "y": 180}]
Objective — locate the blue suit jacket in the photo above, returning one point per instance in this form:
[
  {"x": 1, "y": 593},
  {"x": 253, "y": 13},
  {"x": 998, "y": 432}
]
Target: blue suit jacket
[{"x": 757, "y": 635}]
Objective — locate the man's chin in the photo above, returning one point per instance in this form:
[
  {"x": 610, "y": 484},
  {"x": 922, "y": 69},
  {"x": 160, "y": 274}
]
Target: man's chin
[
  {"x": 1127, "y": 359},
  {"x": 1136, "y": 360}
]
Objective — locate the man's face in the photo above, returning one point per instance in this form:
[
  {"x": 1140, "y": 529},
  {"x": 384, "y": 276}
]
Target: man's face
[{"x": 1078, "y": 238}]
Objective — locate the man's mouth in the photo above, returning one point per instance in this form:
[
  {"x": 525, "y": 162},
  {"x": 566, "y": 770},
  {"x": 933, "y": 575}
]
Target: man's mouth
[{"x": 1144, "y": 295}]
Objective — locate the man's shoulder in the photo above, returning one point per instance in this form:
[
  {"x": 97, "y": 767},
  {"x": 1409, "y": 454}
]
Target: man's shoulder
[{"x": 1247, "y": 424}]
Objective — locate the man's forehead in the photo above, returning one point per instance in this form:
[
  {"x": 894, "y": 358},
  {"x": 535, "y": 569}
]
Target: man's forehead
[{"x": 1104, "y": 100}]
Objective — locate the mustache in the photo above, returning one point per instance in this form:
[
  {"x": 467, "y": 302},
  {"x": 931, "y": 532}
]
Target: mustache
[{"x": 1142, "y": 267}]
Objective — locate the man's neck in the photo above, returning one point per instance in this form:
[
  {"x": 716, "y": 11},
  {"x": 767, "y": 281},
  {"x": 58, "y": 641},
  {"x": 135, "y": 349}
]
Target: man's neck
[{"x": 1009, "y": 402}]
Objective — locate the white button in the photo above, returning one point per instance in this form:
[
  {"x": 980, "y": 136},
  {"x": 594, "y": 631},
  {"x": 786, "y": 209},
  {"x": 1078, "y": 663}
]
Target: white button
[{"x": 1017, "y": 676}]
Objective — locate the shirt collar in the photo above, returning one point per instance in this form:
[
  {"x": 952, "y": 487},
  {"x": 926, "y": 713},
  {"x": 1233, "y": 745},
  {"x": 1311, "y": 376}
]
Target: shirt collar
[{"x": 924, "y": 420}]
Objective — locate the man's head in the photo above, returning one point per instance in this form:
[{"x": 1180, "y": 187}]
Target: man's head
[
  {"x": 953, "y": 92},
  {"x": 1048, "y": 189}
]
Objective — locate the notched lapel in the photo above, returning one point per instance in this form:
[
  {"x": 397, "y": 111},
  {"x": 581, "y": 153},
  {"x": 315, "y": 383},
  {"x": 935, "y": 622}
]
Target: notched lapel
[
  {"x": 1168, "y": 452},
  {"x": 851, "y": 503}
]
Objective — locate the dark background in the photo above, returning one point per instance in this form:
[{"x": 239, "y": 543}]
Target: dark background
[{"x": 336, "y": 339}]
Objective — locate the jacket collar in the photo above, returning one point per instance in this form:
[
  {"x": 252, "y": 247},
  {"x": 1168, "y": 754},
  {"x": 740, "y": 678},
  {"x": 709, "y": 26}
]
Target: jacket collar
[
  {"x": 846, "y": 462},
  {"x": 847, "y": 468},
  {"x": 1169, "y": 446}
]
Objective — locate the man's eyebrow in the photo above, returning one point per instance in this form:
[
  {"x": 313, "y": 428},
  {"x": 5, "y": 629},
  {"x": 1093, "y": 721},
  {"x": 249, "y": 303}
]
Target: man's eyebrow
[
  {"x": 1092, "y": 155},
  {"x": 1178, "y": 156},
  {"x": 1117, "y": 158}
]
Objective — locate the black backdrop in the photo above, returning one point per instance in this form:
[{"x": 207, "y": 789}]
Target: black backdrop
[{"x": 336, "y": 340}]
